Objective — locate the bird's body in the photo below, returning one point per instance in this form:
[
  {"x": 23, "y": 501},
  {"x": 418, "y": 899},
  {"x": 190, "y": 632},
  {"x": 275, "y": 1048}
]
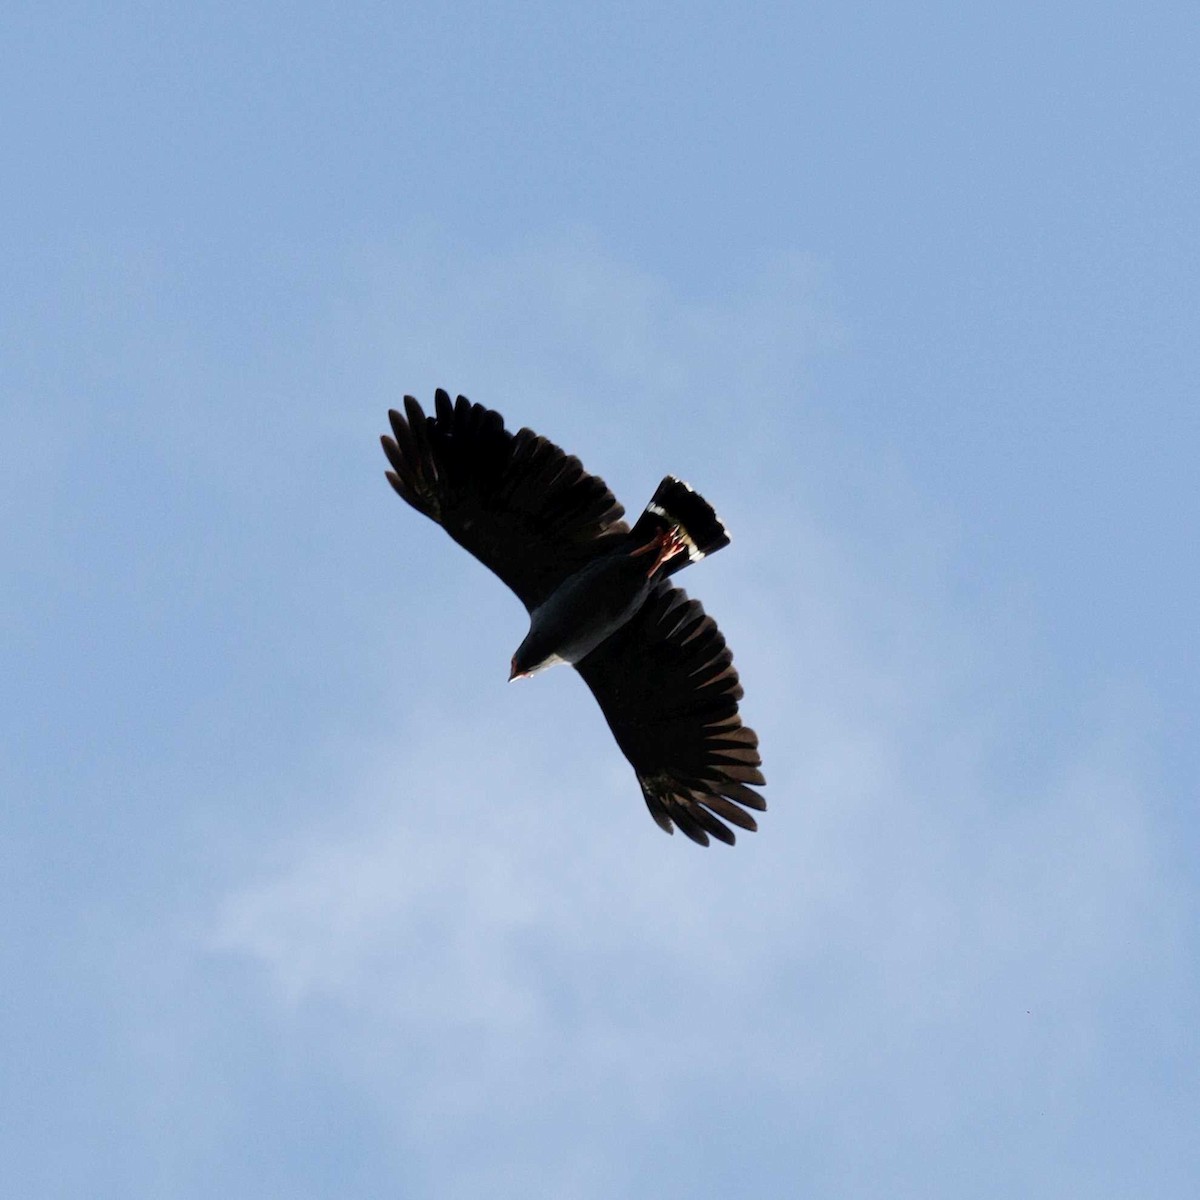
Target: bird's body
[
  {"x": 608, "y": 590},
  {"x": 582, "y": 612},
  {"x": 598, "y": 597}
]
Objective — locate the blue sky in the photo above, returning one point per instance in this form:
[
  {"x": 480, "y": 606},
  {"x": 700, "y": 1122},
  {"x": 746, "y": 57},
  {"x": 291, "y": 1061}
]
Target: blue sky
[{"x": 302, "y": 898}]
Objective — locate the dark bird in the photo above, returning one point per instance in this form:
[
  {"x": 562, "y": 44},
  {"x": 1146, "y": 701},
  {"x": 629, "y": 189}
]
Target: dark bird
[{"x": 599, "y": 598}]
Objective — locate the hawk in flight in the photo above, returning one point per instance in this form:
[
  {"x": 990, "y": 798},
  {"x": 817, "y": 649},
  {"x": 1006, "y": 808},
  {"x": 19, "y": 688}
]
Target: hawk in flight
[{"x": 599, "y": 597}]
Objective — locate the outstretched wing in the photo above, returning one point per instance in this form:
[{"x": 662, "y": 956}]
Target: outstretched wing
[
  {"x": 667, "y": 686},
  {"x": 526, "y": 510}
]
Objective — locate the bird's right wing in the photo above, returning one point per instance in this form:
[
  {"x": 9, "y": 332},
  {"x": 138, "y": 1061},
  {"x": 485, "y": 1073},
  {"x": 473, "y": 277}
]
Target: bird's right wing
[
  {"x": 667, "y": 686},
  {"x": 525, "y": 509}
]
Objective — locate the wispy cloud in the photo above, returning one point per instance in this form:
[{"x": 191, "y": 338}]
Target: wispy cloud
[{"x": 918, "y": 943}]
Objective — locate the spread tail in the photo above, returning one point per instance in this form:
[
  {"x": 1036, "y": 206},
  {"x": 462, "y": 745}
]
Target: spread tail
[{"x": 678, "y": 513}]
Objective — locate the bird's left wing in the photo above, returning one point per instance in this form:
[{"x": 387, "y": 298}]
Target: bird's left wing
[
  {"x": 525, "y": 509},
  {"x": 668, "y": 689}
]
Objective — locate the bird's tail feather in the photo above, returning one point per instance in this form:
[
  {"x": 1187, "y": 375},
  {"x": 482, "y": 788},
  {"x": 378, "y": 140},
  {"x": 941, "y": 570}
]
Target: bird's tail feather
[{"x": 676, "y": 508}]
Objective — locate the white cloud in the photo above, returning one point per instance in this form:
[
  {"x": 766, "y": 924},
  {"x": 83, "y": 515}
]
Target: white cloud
[
  {"x": 490, "y": 933},
  {"x": 953, "y": 945}
]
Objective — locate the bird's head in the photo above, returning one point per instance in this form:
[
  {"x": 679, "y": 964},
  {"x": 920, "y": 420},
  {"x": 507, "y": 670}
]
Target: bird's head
[{"x": 530, "y": 658}]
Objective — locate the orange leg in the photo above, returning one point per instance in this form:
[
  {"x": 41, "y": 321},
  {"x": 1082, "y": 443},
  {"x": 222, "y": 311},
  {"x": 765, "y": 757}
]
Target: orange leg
[{"x": 666, "y": 544}]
